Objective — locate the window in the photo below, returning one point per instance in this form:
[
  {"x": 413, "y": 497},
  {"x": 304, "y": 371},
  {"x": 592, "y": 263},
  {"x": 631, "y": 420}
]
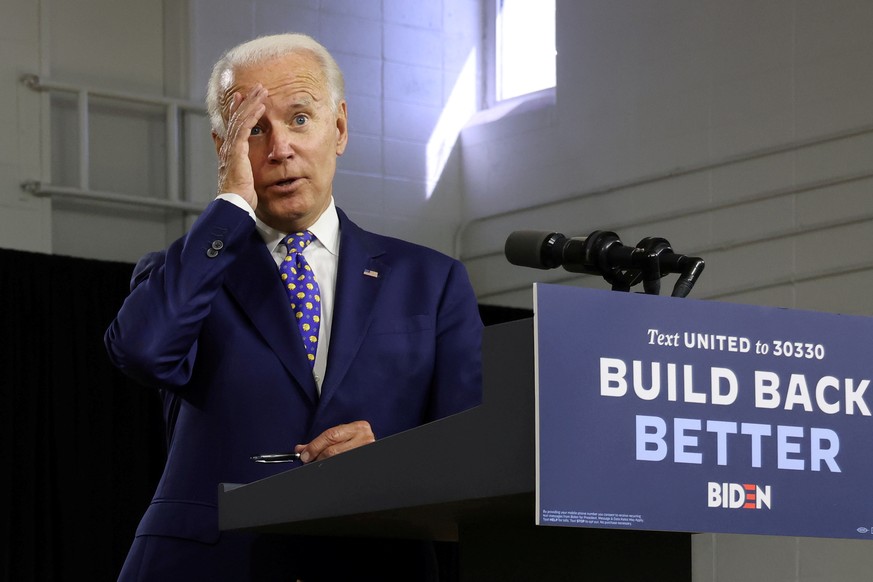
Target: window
[{"x": 524, "y": 48}]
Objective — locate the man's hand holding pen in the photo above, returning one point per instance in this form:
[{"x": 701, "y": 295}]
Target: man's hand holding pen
[{"x": 329, "y": 443}]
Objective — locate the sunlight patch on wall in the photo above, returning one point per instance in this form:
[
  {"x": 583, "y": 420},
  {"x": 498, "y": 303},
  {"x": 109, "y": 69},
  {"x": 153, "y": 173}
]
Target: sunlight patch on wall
[{"x": 459, "y": 108}]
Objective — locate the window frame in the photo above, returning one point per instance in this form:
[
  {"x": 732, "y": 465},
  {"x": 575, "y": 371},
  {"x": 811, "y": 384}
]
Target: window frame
[{"x": 490, "y": 57}]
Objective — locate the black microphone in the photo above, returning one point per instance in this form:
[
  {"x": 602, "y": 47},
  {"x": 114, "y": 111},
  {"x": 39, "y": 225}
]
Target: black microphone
[
  {"x": 534, "y": 248},
  {"x": 602, "y": 253},
  {"x": 597, "y": 254}
]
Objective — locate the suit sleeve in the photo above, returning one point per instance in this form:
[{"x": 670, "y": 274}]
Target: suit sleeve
[
  {"x": 154, "y": 336},
  {"x": 457, "y": 381}
]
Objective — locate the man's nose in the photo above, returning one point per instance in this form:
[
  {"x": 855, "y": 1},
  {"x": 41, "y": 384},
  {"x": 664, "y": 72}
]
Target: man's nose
[{"x": 281, "y": 145}]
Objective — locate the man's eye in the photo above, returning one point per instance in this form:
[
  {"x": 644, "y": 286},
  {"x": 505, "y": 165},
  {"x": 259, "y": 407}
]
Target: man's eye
[
  {"x": 300, "y": 120},
  {"x": 257, "y": 131}
]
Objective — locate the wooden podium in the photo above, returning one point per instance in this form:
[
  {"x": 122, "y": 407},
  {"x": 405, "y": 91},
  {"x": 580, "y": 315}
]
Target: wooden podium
[{"x": 468, "y": 478}]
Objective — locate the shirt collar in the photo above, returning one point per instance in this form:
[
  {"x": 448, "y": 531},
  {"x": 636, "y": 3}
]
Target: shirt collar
[{"x": 325, "y": 229}]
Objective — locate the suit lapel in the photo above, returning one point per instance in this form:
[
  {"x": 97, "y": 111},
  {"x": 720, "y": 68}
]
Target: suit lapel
[
  {"x": 360, "y": 276},
  {"x": 254, "y": 282}
]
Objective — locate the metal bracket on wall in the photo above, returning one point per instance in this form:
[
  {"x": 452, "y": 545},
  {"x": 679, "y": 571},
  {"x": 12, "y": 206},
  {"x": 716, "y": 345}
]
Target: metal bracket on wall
[{"x": 173, "y": 110}]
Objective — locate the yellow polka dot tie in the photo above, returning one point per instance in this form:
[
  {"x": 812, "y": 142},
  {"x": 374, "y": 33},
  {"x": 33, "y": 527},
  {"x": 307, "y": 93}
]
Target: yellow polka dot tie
[{"x": 302, "y": 289}]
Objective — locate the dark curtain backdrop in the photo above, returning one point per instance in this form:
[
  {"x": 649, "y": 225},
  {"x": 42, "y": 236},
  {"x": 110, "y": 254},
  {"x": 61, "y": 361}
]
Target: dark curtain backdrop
[{"x": 82, "y": 445}]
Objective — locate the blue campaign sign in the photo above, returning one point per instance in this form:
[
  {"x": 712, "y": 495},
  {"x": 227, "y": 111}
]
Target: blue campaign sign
[{"x": 668, "y": 414}]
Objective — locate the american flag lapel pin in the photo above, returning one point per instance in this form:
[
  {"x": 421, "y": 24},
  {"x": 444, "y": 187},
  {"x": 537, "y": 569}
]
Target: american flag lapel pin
[{"x": 371, "y": 273}]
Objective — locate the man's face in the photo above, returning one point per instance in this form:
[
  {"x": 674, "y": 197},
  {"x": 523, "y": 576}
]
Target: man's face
[{"x": 294, "y": 146}]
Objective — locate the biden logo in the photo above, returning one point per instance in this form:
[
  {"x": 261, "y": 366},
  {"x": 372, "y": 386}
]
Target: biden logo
[{"x": 738, "y": 495}]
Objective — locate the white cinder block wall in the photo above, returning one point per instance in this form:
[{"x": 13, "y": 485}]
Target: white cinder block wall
[
  {"x": 120, "y": 46},
  {"x": 740, "y": 131},
  {"x": 25, "y": 222}
]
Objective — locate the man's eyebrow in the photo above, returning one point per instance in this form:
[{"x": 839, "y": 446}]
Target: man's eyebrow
[{"x": 301, "y": 102}]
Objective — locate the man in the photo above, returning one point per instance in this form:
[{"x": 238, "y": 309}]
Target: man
[{"x": 389, "y": 336}]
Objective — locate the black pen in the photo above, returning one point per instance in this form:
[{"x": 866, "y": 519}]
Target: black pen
[{"x": 276, "y": 458}]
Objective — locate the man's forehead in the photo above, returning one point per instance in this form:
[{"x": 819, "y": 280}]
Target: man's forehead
[{"x": 290, "y": 69}]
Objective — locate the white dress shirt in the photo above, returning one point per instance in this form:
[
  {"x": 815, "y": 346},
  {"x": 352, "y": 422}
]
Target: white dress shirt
[{"x": 322, "y": 254}]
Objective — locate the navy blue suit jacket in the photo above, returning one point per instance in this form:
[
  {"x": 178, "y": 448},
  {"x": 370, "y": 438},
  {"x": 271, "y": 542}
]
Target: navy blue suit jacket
[{"x": 208, "y": 323}]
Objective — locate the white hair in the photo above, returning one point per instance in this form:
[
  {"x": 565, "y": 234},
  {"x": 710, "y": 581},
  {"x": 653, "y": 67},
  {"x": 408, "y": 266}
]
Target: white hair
[{"x": 260, "y": 50}]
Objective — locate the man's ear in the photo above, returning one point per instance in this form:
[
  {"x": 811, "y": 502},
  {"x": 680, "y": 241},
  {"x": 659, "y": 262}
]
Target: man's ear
[{"x": 342, "y": 129}]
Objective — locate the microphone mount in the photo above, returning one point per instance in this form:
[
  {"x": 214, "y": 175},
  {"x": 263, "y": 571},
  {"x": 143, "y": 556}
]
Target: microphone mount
[{"x": 602, "y": 253}]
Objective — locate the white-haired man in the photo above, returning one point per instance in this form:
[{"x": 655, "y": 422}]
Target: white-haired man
[{"x": 257, "y": 350}]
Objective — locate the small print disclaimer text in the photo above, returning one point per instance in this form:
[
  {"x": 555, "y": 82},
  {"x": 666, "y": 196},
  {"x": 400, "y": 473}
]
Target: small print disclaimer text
[{"x": 589, "y": 518}]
